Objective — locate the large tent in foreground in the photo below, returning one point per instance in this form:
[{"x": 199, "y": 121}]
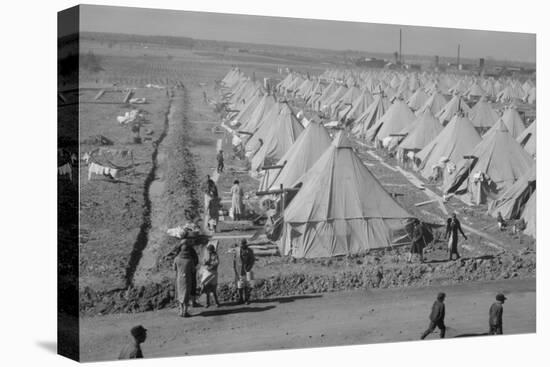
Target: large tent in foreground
[{"x": 341, "y": 208}]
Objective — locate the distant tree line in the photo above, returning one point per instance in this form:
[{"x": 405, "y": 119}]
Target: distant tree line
[{"x": 183, "y": 42}]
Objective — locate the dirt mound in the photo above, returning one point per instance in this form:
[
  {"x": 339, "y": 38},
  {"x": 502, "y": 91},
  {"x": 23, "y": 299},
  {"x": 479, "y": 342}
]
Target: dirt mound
[{"x": 385, "y": 275}]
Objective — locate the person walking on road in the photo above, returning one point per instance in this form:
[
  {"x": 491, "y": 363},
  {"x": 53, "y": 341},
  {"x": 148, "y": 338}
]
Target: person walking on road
[
  {"x": 185, "y": 273},
  {"x": 437, "y": 317},
  {"x": 219, "y": 157},
  {"x": 495, "y": 315},
  {"x": 243, "y": 261},
  {"x": 236, "y": 200},
  {"x": 453, "y": 227},
  {"x": 133, "y": 349}
]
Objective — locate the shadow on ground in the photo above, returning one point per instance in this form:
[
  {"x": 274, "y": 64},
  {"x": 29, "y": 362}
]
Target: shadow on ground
[
  {"x": 286, "y": 299},
  {"x": 229, "y": 311},
  {"x": 471, "y": 334}
]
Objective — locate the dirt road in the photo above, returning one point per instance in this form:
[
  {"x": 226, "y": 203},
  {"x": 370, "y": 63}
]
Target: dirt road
[{"x": 384, "y": 315}]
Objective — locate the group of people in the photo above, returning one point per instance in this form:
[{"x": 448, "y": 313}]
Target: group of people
[
  {"x": 188, "y": 268},
  {"x": 418, "y": 242},
  {"x": 437, "y": 316}
]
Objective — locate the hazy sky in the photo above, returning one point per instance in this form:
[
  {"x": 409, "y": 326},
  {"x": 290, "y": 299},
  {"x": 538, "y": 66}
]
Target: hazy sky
[{"x": 325, "y": 34}]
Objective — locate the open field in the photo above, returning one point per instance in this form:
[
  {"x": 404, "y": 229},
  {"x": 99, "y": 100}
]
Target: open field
[{"x": 126, "y": 255}]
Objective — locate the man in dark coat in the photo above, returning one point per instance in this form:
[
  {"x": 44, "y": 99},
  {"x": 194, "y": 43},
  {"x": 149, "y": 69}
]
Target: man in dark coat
[
  {"x": 495, "y": 315},
  {"x": 453, "y": 227},
  {"x": 133, "y": 349},
  {"x": 437, "y": 317}
]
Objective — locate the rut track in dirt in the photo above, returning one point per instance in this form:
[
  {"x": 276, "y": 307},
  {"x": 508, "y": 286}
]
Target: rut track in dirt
[{"x": 143, "y": 236}]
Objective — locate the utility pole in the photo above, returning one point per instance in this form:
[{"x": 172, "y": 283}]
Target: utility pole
[
  {"x": 458, "y": 58},
  {"x": 400, "y": 54}
]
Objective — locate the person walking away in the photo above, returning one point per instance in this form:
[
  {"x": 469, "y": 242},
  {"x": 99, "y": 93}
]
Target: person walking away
[
  {"x": 243, "y": 261},
  {"x": 495, "y": 315},
  {"x": 236, "y": 200},
  {"x": 133, "y": 349},
  {"x": 220, "y": 161},
  {"x": 184, "y": 268},
  {"x": 209, "y": 281},
  {"x": 417, "y": 245},
  {"x": 437, "y": 317},
  {"x": 453, "y": 227}
]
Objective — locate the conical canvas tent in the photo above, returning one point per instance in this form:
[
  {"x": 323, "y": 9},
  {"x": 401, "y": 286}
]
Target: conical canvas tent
[
  {"x": 528, "y": 139},
  {"x": 513, "y": 121},
  {"x": 341, "y": 208},
  {"x": 357, "y": 107},
  {"x": 457, "y": 139},
  {"x": 483, "y": 116},
  {"x": 417, "y": 99},
  {"x": 257, "y": 116},
  {"x": 372, "y": 114},
  {"x": 398, "y": 117},
  {"x": 511, "y": 203},
  {"x": 451, "y": 108},
  {"x": 344, "y": 103},
  {"x": 434, "y": 104},
  {"x": 316, "y": 101},
  {"x": 333, "y": 98},
  {"x": 475, "y": 90},
  {"x": 499, "y": 157},
  {"x": 530, "y": 216},
  {"x": 246, "y": 112},
  {"x": 305, "y": 151},
  {"x": 263, "y": 127},
  {"x": 424, "y": 129},
  {"x": 282, "y": 134}
]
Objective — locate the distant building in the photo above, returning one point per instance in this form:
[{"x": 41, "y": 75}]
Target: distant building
[{"x": 371, "y": 62}]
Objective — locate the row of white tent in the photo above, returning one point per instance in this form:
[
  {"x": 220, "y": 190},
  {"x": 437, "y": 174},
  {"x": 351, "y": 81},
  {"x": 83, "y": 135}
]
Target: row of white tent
[{"x": 273, "y": 135}]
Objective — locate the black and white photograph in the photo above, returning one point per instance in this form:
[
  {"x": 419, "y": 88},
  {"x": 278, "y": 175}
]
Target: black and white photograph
[{"x": 240, "y": 183}]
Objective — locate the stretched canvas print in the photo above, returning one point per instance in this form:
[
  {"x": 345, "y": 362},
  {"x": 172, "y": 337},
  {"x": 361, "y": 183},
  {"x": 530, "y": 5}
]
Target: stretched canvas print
[{"x": 234, "y": 183}]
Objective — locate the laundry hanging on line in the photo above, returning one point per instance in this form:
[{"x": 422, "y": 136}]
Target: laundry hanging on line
[
  {"x": 64, "y": 170},
  {"x": 98, "y": 169}
]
